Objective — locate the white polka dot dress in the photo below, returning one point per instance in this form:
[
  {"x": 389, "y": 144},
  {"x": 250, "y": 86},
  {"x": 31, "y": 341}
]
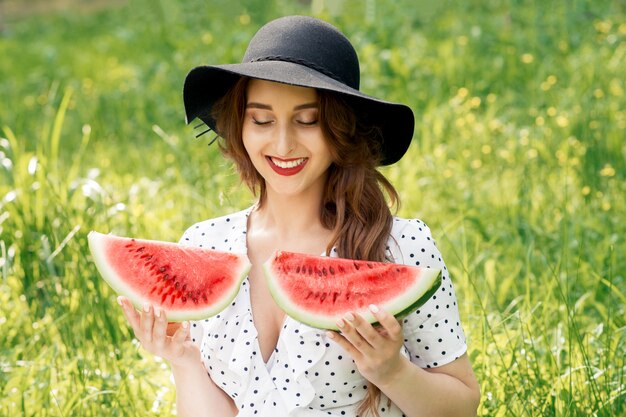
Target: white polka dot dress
[{"x": 308, "y": 374}]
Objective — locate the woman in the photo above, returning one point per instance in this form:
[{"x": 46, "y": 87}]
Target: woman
[{"x": 307, "y": 142}]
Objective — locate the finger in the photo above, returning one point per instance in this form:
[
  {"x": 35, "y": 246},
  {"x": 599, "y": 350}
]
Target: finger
[
  {"x": 352, "y": 335},
  {"x": 388, "y": 322},
  {"x": 130, "y": 313},
  {"x": 367, "y": 331},
  {"x": 160, "y": 328},
  {"x": 147, "y": 322},
  {"x": 181, "y": 334},
  {"x": 345, "y": 344}
]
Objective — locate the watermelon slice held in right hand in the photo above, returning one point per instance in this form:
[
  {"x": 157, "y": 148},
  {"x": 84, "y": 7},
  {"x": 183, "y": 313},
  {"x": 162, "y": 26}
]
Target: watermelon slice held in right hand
[
  {"x": 319, "y": 290},
  {"x": 188, "y": 283}
]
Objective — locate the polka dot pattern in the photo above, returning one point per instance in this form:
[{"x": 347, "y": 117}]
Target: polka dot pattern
[{"x": 307, "y": 374}]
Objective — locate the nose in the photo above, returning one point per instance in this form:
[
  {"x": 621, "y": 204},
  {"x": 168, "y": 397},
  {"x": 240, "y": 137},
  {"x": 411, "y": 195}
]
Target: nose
[{"x": 285, "y": 142}]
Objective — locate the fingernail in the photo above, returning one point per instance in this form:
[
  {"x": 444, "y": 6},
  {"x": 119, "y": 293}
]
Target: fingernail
[
  {"x": 349, "y": 317},
  {"x": 146, "y": 307},
  {"x": 119, "y": 301},
  {"x": 330, "y": 335},
  {"x": 157, "y": 312},
  {"x": 185, "y": 325},
  {"x": 340, "y": 323},
  {"x": 373, "y": 308}
]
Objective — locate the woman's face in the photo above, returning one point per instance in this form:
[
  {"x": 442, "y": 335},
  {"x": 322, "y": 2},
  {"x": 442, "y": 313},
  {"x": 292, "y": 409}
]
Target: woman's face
[{"x": 282, "y": 135}]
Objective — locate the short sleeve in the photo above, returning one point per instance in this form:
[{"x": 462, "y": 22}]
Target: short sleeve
[
  {"x": 188, "y": 238},
  {"x": 433, "y": 334}
]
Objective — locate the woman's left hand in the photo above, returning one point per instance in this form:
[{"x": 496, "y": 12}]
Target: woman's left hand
[{"x": 375, "y": 350}]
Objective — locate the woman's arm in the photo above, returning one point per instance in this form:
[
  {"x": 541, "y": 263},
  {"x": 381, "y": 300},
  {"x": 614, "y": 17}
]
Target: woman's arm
[
  {"x": 198, "y": 396},
  {"x": 196, "y": 393},
  {"x": 450, "y": 390}
]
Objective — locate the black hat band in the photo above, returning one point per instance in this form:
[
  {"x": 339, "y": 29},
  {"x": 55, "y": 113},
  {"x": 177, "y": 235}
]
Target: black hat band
[{"x": 299, "y": 61}]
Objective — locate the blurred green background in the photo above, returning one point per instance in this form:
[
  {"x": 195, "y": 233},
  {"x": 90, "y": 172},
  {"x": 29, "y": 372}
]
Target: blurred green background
[{"x": 518, "y": 165}]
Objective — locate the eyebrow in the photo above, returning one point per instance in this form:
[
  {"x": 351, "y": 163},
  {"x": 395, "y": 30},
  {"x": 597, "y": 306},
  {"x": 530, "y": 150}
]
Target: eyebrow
[{"x": 255, "y": 105}]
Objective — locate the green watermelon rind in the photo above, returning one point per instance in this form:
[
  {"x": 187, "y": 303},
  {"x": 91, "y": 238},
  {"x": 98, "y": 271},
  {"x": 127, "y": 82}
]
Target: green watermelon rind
[
  {"x": 422, "y": 300},
  {"x": 400, "y": 307},
  {"x": 96, "y": 240}
]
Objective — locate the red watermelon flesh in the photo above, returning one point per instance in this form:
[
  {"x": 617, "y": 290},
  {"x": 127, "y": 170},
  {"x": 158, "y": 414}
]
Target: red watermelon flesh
[
  {"x": 319, "y": 290},
  {"x": 188, "y": 283}
]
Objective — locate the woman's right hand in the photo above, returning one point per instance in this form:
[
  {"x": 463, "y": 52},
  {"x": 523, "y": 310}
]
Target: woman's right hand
[{"x": 171, "y": 341}]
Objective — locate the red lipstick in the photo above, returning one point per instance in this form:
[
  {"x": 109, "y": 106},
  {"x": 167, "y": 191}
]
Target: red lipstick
[{"x": 286, "y": 171}]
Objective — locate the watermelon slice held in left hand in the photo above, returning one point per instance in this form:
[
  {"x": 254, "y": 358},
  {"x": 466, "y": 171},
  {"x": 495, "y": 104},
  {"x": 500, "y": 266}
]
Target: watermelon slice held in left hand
[
  {"x": 319, "y": 290},
  {"x": 188, "y": 283}
]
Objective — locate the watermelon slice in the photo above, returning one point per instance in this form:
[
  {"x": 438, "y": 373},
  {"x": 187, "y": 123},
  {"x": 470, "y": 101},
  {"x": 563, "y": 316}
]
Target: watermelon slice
[
  {"x": 188, "y": 283},
  {"x": 319, "y": 290}
]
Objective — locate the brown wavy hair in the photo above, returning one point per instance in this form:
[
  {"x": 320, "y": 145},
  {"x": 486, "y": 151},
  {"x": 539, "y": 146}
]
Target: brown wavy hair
[{"x": 357, "y": 198}]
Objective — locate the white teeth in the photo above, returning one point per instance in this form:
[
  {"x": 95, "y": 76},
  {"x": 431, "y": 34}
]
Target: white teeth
[{"x": 288, "y": 164}]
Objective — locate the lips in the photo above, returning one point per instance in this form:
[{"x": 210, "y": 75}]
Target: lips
[{"x": 287, "y": 167}]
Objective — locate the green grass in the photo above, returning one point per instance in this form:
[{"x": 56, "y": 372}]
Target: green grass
[{"x": 518, "y": 166}]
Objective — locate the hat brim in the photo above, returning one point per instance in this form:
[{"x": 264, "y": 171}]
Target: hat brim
[{"x": 205, "y": 85}]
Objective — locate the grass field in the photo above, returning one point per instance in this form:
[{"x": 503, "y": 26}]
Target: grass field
[{"x": 518, "y": 166}]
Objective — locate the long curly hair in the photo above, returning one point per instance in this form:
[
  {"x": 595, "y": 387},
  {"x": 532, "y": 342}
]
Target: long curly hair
[{"x": 357, "y": 199}]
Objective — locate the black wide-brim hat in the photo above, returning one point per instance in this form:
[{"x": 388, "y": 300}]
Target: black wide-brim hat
[{"x": 307, "y": 52}]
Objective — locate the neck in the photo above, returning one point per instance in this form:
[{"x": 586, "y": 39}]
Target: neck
[{"x": 290, "y": 216}]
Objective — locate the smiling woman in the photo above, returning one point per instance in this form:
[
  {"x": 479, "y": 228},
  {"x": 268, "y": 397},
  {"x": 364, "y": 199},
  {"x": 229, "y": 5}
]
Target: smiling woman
[
  {"x": 308, "y": 143},
  {"x": 281, "y": 132}
]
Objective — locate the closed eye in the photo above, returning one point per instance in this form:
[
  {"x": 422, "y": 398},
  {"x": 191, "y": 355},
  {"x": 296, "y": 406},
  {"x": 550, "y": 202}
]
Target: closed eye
[
  {"x": 311, "y": 123},
  {"x": 261, "y": 122}
]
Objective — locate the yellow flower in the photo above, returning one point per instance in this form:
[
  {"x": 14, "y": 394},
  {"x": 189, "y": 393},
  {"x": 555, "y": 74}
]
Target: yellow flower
[
  {"x": 476, "y": 163},
  {"x": 562, "y": 121},
  {"x": 607, "y": 171},
  {"x": 207, "y": 38},
  {"x": 616, "y": 87},
  {"x": 602, "y": 26},
  {"x": 527, "y": 58}
]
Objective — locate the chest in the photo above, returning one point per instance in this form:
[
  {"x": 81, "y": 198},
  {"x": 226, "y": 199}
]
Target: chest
[{"x": 267, "y": 316}]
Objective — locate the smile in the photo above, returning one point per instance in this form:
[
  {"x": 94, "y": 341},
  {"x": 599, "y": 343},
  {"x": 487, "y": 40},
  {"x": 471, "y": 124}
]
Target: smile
[{"x": 287, "y": 166}]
